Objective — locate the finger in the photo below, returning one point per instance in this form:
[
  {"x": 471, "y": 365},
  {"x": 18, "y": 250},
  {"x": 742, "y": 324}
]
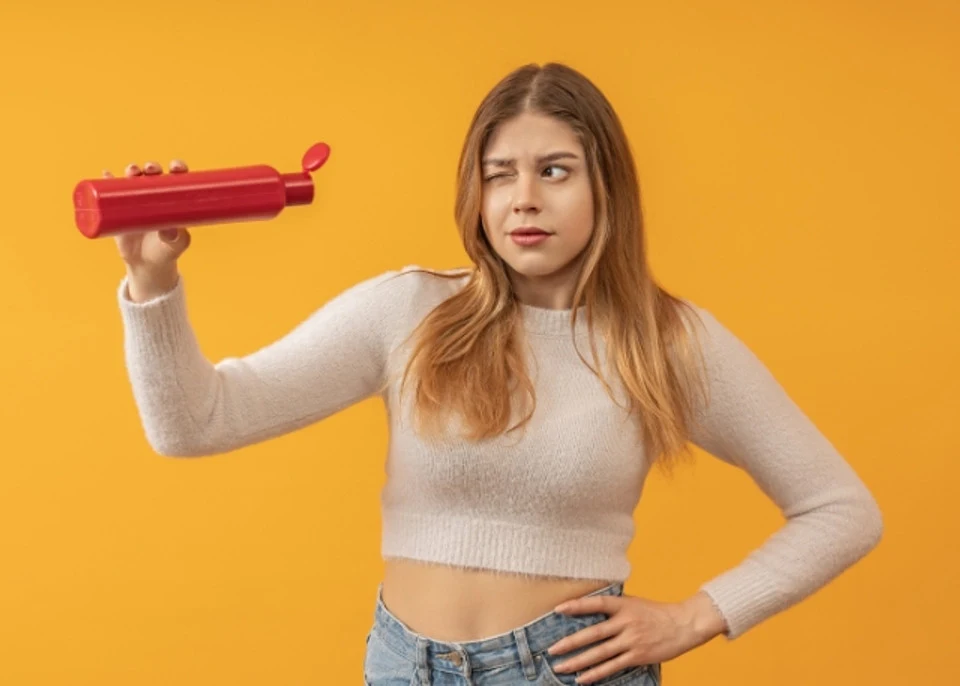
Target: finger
[
  {"x": 177, "y": 239},
  {"x": 132, "y": 170},
  {"x": 152, "y": 168},
  {"x": 595, "y": 654},
  {"x": 605, "y": 669},
  {"x": 604, "y": 604},
  {"x": 107, "y": 174},
  {"x": 125, "y": 237},
  {"x": 178, "y": 166},
  {"x": 595, "y": 633}
]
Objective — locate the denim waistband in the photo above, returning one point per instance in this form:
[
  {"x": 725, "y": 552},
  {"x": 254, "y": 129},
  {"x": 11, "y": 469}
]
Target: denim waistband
[{"x": 463, "y": 657}]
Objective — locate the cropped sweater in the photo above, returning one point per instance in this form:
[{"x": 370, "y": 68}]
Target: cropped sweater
[{"x": 556, "y": 501}]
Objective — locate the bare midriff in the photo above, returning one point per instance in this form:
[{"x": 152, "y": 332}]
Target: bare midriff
[{"x": 455, "y": 604}]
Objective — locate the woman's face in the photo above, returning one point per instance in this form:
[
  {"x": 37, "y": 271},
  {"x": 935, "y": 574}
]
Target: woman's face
[{"x": 535, "y": 177}]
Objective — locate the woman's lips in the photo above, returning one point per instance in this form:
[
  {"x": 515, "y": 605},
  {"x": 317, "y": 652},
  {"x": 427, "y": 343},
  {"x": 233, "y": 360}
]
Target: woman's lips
[{"x": 529, "y": 237}]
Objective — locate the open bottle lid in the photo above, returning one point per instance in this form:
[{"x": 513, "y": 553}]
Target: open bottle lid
[
  {"x": 314, "y": 158},
  {"x": 299, "y": 185}
]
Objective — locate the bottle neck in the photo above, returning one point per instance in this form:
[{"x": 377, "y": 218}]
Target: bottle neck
[{"x": 299, "y": 188}]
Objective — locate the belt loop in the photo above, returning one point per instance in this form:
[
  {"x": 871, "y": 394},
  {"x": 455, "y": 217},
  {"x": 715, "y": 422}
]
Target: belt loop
[
  {"x": 423, "y": 666},
  {"x": 467, "y": 667},
  {"x": 526, "y": 657}
]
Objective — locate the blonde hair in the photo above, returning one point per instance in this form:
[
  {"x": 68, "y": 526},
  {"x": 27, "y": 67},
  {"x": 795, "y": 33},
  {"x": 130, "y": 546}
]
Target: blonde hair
[{"x": 468, "y": 358}]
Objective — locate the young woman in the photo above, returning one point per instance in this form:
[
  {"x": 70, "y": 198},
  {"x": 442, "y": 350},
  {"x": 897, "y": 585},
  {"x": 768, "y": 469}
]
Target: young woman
[{"x": 528, "y": 397}]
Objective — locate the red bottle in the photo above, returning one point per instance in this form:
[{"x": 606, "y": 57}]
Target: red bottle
[{"x": 108, "y": 206}]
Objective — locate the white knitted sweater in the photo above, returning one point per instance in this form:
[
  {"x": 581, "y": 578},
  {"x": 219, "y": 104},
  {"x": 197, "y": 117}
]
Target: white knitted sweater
[{"x": 557, "y": 501}]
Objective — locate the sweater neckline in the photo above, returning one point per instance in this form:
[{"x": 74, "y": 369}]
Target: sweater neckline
[{"x": 550, "y": 322}]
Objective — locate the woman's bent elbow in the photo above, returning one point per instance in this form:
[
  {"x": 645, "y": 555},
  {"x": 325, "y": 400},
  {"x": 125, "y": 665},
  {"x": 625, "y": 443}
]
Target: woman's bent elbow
[
  {"x": 174, "y": 446},
  {"x": 871, "y": 525}
]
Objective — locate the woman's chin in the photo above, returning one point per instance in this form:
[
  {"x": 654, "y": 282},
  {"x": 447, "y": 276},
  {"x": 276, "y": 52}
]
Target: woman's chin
[{"x": 536, "y": 268}]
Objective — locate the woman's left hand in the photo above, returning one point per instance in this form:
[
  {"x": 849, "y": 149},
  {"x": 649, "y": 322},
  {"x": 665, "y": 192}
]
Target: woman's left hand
[{"x": 637, "y": 632}]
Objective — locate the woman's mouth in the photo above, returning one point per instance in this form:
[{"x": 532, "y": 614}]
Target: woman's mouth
[{"x": 529, "y": 236}]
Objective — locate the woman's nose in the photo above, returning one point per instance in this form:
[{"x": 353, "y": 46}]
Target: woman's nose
[{"x": 527, "y": 195}]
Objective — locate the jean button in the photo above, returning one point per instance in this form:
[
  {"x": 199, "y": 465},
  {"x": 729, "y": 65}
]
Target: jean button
[{"x": 453, "y": 656}]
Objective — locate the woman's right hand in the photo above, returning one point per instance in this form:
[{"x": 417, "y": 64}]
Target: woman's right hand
[{"x": 151, "y": 256}]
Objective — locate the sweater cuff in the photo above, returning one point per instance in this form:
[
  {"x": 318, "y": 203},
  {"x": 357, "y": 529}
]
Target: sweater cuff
[
  {"x": 159, "y": 326},
  {"x": 744, "y": 597}
]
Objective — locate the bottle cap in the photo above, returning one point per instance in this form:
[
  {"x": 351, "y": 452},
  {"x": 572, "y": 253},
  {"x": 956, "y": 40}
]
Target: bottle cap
[
  {"x": 299, "y": 185},
  {"x": 314, "y": 158}
]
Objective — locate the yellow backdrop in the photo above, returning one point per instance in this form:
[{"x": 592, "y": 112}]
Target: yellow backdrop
[{"x": 798, "y": 165}]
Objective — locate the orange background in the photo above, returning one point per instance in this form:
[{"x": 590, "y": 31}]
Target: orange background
[{"x": 798, "y": 164}]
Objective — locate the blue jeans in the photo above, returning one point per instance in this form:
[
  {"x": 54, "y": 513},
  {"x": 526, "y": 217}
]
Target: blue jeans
[{"x": 397, "y": 656}]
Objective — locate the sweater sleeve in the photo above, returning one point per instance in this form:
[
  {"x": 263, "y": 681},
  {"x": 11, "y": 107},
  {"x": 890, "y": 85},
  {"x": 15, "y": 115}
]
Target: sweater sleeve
[
  {"x": 191, "y": 407},
  {"x": 831, "y": 518}
]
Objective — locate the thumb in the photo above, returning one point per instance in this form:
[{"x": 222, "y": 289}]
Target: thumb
[{"x": 178, "y": 239}]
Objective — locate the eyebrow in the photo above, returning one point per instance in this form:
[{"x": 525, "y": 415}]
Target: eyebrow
[{"x": 552, "y": 157}]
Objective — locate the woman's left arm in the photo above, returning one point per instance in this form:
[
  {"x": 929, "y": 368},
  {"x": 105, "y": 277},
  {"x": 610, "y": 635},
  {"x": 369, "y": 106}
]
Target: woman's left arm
[{"x": 832, "y": 519}]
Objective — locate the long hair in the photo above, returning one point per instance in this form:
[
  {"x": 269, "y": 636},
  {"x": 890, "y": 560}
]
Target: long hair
[{"x": 467, "y": 357}]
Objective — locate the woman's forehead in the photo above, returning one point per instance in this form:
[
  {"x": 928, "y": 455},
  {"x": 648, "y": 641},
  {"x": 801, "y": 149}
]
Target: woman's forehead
[{"x": 530, "y": 137}]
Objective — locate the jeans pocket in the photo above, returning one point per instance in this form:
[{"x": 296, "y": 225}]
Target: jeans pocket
[
  {"x": 384, "y": 667},
  {"x": 635, "y": 675}
]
